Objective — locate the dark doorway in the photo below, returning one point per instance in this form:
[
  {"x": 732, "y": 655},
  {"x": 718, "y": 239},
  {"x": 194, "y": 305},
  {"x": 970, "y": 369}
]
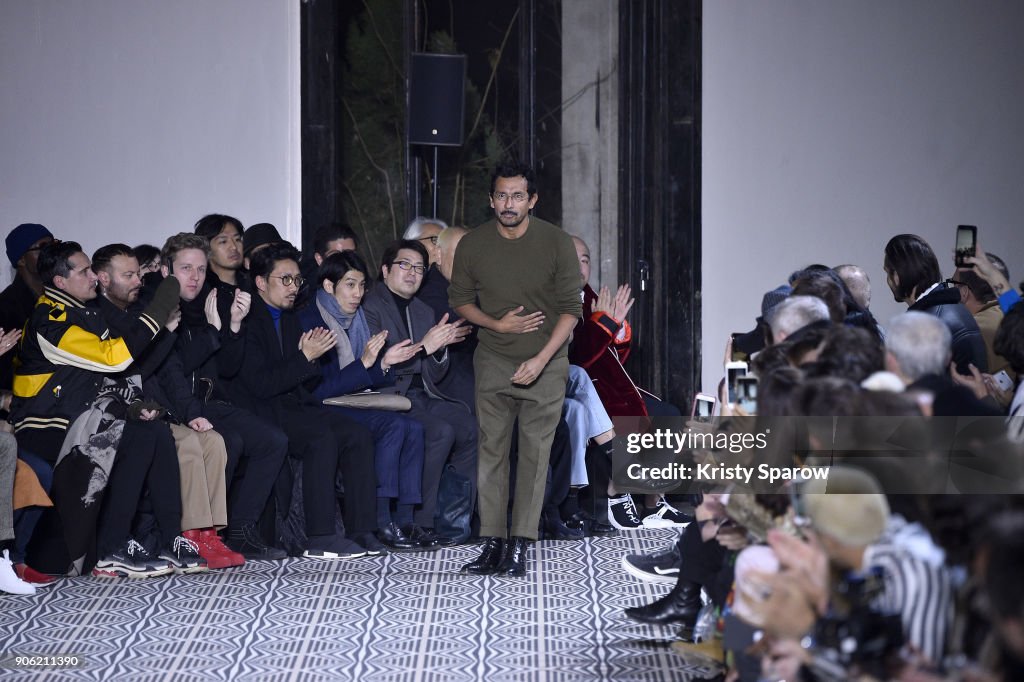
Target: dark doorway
[{"x": 659, "y": 156}]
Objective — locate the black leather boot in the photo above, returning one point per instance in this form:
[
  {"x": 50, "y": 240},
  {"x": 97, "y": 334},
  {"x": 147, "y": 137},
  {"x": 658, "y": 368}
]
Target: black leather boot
[
  {"x": 513, "y": 564},
  {"x": 488, "y": 560},
  {"x": 680, "y": 606}
]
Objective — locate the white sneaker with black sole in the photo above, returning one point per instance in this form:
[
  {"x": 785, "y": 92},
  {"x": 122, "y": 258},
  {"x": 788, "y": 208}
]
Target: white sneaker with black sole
[
  {"x": 667, "y": 516},
  {"x": 131, "y": 561},
  {"x": 622, "y": 512},
  {"x": 657, "y": 567},
  {"x": 183, "y": 556}
]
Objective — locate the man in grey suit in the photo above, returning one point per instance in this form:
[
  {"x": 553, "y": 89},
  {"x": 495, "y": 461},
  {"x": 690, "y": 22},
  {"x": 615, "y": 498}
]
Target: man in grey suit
[{"x": 450, "y": 429}]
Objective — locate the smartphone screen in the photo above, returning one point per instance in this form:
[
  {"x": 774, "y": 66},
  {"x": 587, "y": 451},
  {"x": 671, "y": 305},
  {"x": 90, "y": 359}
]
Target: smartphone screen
[
  {"x": 703, "y": 408},
  {"x": 966, "y": 238},
  {"x": 746, "y": 389},
  {"x": 733, "y": 371}
]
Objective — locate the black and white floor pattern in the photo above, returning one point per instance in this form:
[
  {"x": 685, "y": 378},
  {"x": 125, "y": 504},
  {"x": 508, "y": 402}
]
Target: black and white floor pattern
[{"x": 404, "y": 617}]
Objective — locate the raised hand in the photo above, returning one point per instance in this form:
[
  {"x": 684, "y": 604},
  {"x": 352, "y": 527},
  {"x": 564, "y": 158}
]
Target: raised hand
[
  {"x": 622, "y": 302},
  {"x": 316, "y": 342},
  {"x": 514, "y": 323},
  {"x": 8, "y": 339},
  {"x": 443, "y": 334},
  {"x": 239, "y": 308},
  {"x": 603, "y": 304},
  {"x": 210, "y": 308},
  {"x": 399, "y": 353},
  {"x": 373, "y": 348}
]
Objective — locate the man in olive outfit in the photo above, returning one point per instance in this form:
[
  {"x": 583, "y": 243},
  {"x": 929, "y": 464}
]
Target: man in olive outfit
[{"x": 517, "y": 278}]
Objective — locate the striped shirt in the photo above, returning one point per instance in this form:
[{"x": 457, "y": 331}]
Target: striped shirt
[{"x": 919, "y": 590}]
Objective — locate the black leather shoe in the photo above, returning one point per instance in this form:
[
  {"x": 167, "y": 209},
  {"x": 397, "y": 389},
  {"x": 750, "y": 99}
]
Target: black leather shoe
[
  {"x": 583, "y": 521},
  {"x": 513, "y": 563},
  {"x": 487, "y": 562},
  {"x": 395, "y": 539},
  {"x": 552, "y": 528},
  {"x": 680, "y": 606},
  {"x": 424, "y": 539}
]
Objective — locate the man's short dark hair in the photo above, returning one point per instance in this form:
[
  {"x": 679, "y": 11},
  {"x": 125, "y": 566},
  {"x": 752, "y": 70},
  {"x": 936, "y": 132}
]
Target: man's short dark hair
[
  {"x": 910, "y": 257},
  {"x": 145, "y": 254},
  {"x": 391, "y": 252},
  {"x": 515, "y": 170},
  {"x": 101, "y": 259},
  {"x": 180, "y": 242},
  {"x": 262, "y": 263},
  {"x": 337, "y": 264},
  {"x": 55, "y": 260},
  {"x": 1009, "y": 340},
  {"x": 326, "y": 234},
  {"x": 818, "y": 284},
  {"x": 209, "y": 226}
]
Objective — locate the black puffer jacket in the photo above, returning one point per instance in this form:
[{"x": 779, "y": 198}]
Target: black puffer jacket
[{"x": 968, "y": 345}]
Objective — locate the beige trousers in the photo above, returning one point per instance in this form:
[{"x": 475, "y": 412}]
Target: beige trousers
[{"x": 202, "y": 459}]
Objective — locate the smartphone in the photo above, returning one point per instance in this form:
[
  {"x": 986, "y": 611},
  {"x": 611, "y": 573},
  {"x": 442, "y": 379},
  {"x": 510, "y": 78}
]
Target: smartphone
[
  {"x": 703, "y": 407},
  {"x": 733, "y": 371},
  {"x": 1003, "y": 380},
  {"x": 966, "y": 242},
  {"x": 746, "y": 393}
]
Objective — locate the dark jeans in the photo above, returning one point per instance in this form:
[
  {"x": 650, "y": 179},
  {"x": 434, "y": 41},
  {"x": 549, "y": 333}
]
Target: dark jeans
[
  {"x": 398, "y": 452},
  {"x": 263, "y": 446}
]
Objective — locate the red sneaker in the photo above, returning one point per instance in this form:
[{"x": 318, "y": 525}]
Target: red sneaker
[
  {"x": 211, "y": 540},
  {"x": 213, "y": 559},
  {"x": 34, "y": 577}
]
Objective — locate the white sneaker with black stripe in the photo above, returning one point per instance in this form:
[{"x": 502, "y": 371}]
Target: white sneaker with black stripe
[{"x": 622, "y": 512}]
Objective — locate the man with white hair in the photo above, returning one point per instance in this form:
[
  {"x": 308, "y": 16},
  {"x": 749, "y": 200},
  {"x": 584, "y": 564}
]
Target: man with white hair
[
  {"x": 856, "y": 280},
  {"x": 918, "y": 350},
  {"x": 434, "y": 289},
  {"x": 795, "y": 313}
]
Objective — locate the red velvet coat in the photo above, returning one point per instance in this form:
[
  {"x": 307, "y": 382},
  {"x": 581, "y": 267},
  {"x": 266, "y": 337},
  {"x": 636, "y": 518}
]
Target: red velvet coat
[{"x": 594, "y": 347}]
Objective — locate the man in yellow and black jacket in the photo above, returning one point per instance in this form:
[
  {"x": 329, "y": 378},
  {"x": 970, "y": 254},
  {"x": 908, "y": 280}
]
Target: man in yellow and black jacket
[{"x": 66, "y": 349}]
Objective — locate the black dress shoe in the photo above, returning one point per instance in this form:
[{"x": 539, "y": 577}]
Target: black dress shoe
[
  {"x": 425, "y": 539},
  {"x": 489, "y": 558},
  {"x": 680, "y": 606},
  {"x": 583, "y": 521},
  {"x": 394, "y": 538},
  {"x": 513, "y": 563},
  {"x": 552, "y": 528}
]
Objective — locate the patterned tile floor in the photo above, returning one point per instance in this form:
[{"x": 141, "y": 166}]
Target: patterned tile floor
[{"x": 407, "y": 617}]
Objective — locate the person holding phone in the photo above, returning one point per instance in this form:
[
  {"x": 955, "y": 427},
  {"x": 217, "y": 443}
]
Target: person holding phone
[{"x": 914, "y": 278}]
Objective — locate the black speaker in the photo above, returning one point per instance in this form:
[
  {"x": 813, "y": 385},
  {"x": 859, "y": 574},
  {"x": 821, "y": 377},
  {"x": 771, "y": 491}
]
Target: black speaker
[{"x": 436, "y": 98}]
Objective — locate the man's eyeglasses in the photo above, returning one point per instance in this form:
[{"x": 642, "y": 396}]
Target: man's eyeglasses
[
  {"x": 432, "y": 240},
  {"x": 406, "y": 265},
  {"x": 288, "y": 280},
  {"x": 516, "y": 197}
]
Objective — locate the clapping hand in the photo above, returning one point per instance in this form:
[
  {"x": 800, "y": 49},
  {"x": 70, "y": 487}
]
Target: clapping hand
[{"x": 316, "y": 342}]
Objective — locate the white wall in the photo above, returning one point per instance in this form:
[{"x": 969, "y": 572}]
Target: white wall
[
  {"x": 829, "y": 127},
  {"x": 126, "y": 120}
]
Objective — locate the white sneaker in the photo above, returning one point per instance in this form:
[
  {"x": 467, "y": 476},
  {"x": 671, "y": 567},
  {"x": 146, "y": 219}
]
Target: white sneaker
[
  {"x": 667, "y": 516},
  {"x": 9, "y": 580},
  {"x": 622, "y": 512}
]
